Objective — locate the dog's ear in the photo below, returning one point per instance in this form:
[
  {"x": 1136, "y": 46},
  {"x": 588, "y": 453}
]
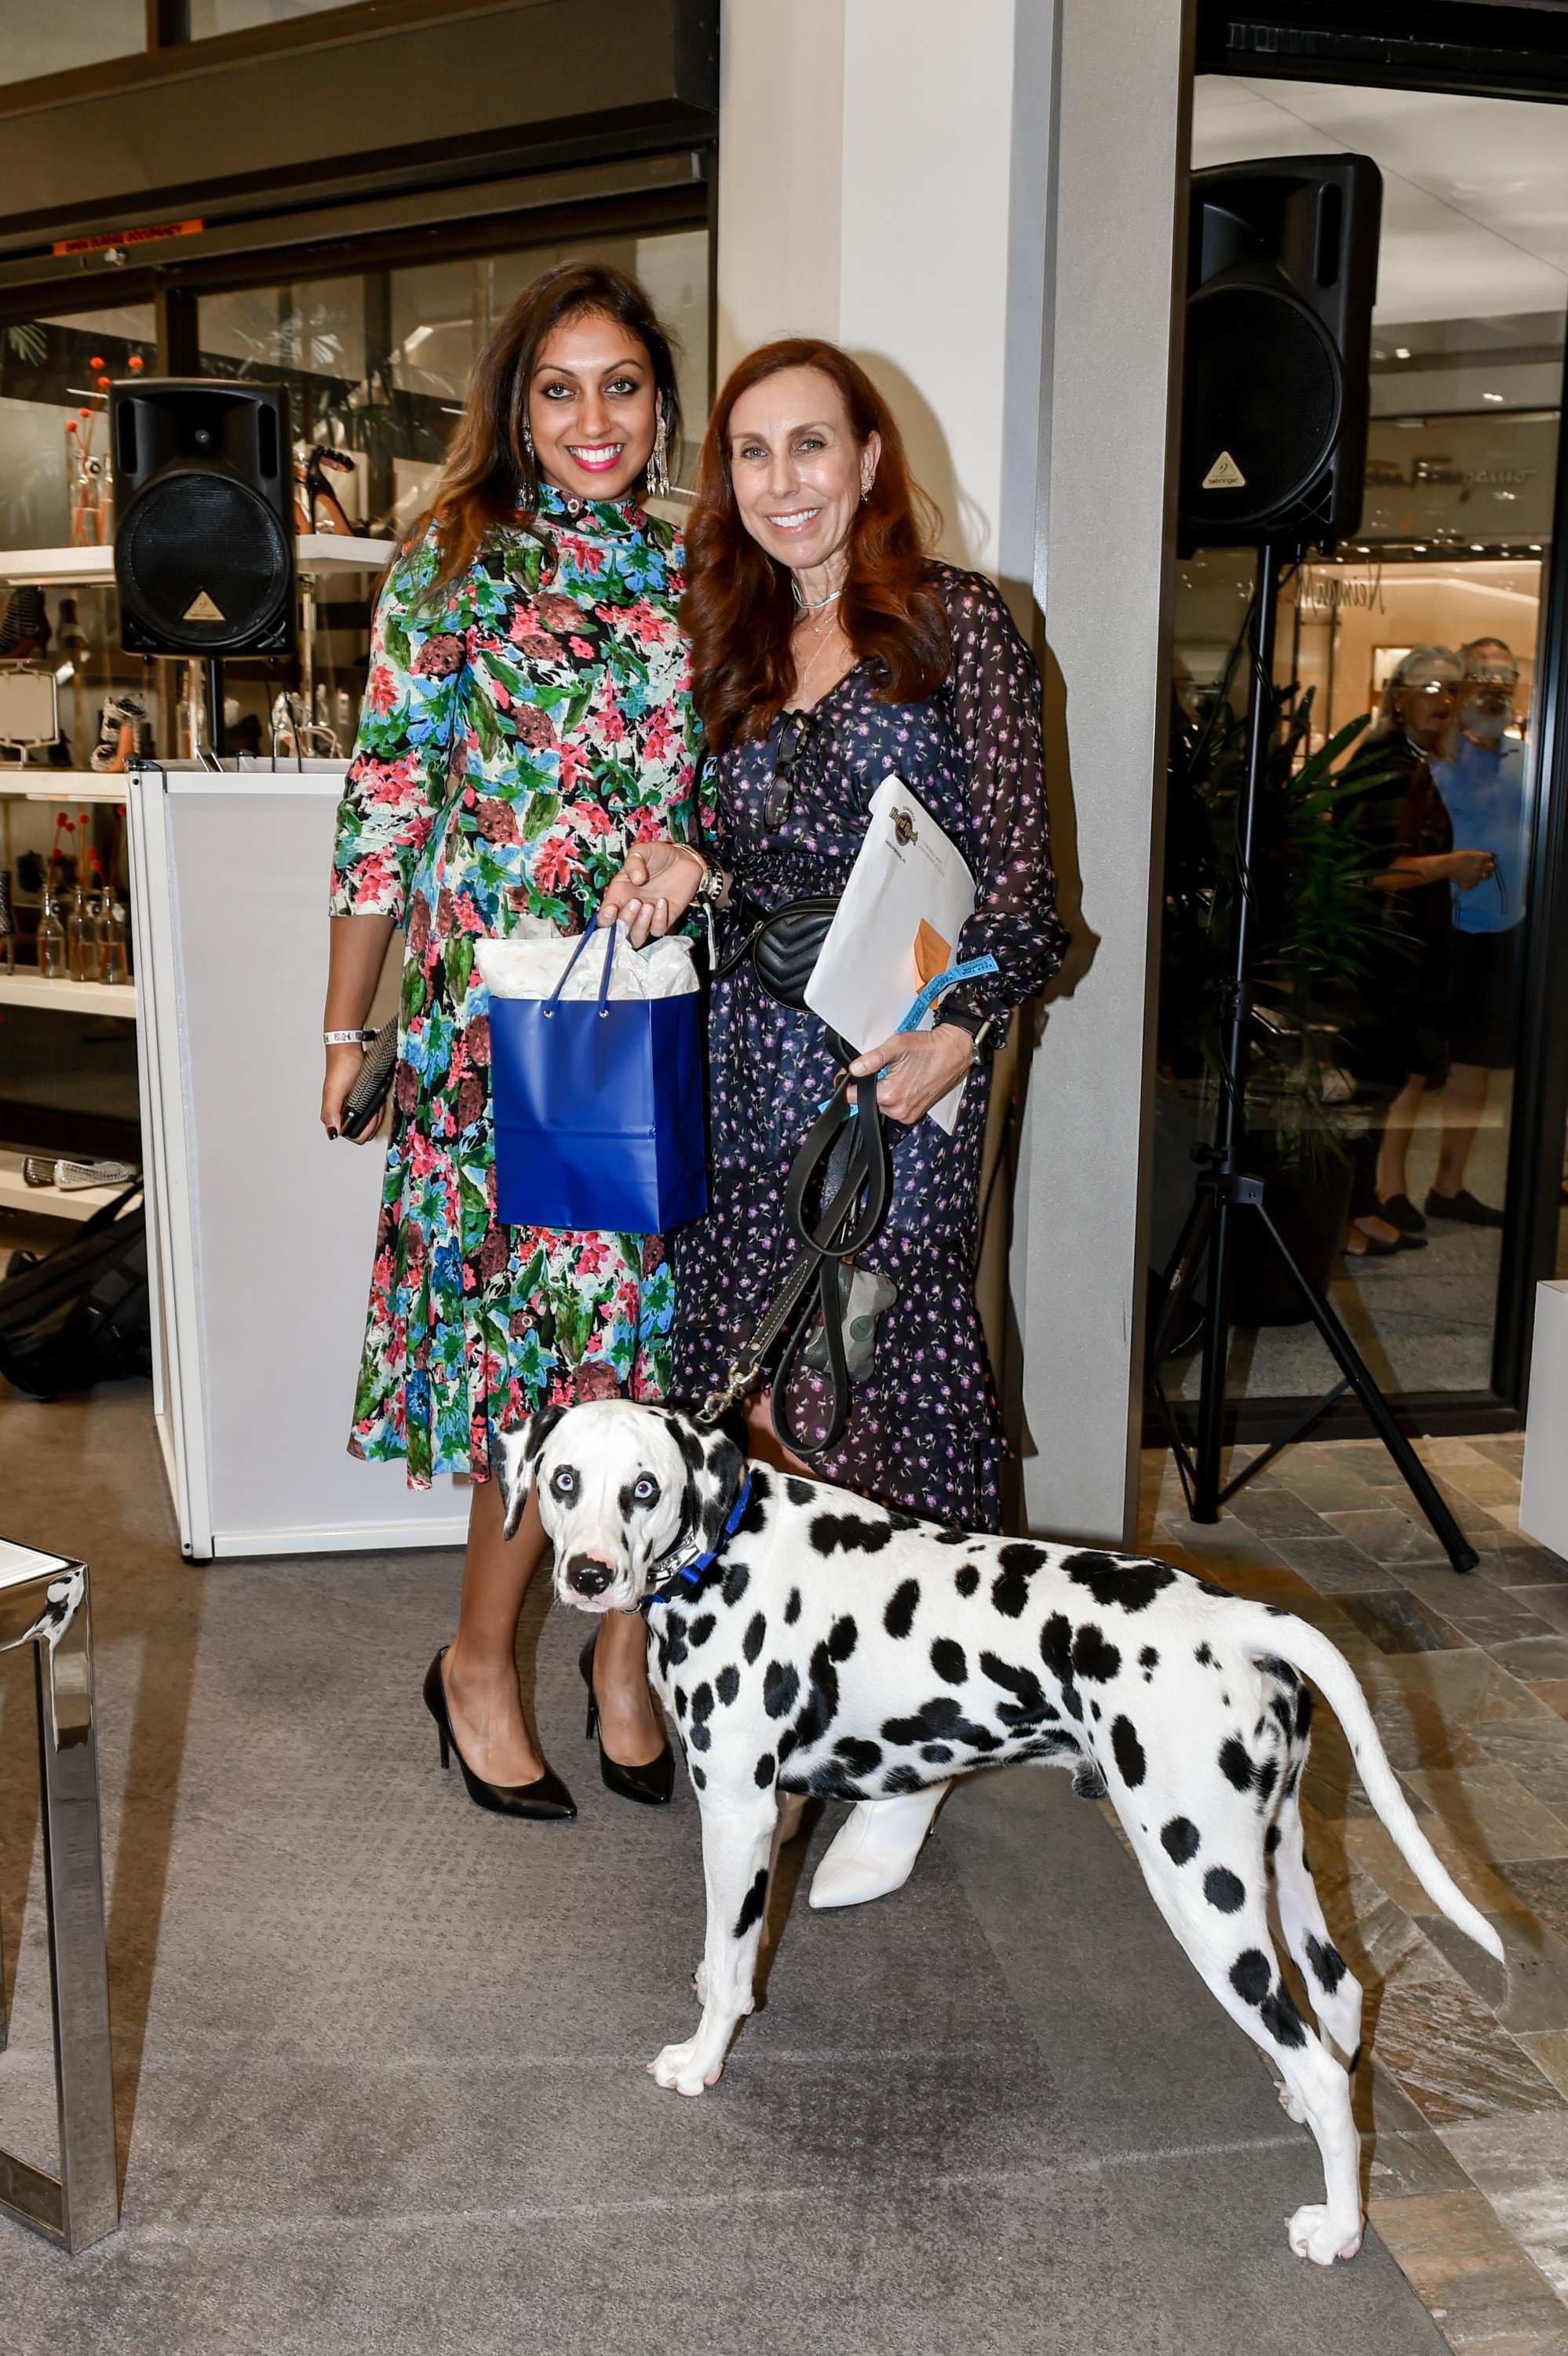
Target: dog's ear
[
  {"x": 513, "y": 1458},
  {"x": 717, "y": 1468}
]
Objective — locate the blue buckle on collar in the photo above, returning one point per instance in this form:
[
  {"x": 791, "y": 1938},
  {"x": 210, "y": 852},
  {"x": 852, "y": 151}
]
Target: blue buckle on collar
[{"x": 692, "y": 1571}]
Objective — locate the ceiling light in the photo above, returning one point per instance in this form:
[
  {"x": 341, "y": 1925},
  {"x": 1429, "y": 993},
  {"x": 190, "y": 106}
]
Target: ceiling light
[
  {"x": 1535, "y": 548},
  {"x": 1491, "y": 396},
  {"x": 1402, "y": 351},
  {"x": 1478, "y": 547}
]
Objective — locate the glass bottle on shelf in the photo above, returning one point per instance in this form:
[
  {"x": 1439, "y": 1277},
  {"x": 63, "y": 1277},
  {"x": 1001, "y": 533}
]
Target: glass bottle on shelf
[
  {"x": 116, "y": 929},
  {"x": 54, "y": 950},
  {"x": 78, "y": 934}
]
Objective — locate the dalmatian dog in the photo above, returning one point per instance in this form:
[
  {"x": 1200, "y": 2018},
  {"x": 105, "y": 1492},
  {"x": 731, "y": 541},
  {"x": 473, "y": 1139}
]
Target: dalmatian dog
[{"x": 807, "y": 1642}]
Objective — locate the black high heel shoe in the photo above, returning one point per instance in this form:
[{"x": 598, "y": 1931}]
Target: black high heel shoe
[
  {"x": 546, "y": 1800},
  {"x": 654, "y": 1784}
]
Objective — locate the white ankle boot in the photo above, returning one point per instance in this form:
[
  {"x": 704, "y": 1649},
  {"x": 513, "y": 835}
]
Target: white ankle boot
[{"x": 876, "y": 1850}]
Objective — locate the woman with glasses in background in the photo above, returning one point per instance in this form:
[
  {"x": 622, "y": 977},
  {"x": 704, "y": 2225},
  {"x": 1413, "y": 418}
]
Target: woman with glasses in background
[{"x": 830, "y": 649}]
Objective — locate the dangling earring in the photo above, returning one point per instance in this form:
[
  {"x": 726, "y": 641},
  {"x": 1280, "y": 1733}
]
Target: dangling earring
[{"x": 659, "y": 464}]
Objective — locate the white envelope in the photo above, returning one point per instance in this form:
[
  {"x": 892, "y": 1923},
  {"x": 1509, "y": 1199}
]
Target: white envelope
[{"x": 906, "y": 872}]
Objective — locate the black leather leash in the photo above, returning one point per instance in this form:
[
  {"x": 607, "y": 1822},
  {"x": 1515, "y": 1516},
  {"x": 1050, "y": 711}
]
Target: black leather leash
[{"x": 847, "y": 1150}]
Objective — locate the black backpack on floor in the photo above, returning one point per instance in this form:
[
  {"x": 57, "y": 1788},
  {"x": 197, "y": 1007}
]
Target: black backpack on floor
[{"x": 82, "y": 1313}]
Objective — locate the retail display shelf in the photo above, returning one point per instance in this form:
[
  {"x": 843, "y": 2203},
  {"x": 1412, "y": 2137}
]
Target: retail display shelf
[
  {"x": 76, "y": 568},
  {"x": 27, "y": 782},
  {"x": 75, "y": 997},
  {"x": 50, "y": 1202}
]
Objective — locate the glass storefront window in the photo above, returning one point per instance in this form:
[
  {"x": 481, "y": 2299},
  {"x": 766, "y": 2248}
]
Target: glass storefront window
[
  {"x": 1380, "y": 1094},
  {"x": 35, "y": 41}
]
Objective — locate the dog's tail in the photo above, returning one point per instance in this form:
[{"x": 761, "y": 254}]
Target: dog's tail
[{"x": 1308, "y": 1649}]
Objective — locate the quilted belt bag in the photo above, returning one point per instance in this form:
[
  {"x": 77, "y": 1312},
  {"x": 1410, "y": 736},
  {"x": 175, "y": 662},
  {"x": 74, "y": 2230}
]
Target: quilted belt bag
[{"x": 782, "y": 946}]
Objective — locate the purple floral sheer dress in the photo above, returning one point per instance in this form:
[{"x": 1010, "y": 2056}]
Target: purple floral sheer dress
[{"x": 923, "y": 1434}]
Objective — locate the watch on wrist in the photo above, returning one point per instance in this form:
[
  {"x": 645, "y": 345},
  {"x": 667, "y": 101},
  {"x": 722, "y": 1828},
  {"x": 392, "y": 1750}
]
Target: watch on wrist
[
  {"x": 984, "y": 1029},
  {"x": 711, "y": 884}
]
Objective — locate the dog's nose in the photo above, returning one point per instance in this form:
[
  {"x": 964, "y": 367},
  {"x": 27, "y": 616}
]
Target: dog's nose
[{"x": 586, "y": 1577}]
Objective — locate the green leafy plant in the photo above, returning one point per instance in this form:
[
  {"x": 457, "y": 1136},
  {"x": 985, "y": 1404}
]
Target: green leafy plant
[{"x": 1318, "y": 931}]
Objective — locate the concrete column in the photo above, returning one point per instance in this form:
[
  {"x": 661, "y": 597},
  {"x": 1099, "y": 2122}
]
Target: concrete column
[{"x": 979, "y": 203}]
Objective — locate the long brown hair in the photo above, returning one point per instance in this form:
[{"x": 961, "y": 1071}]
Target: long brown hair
[
  {"x": 491, "y": 477},
  {"x": 739, "y": 606}
]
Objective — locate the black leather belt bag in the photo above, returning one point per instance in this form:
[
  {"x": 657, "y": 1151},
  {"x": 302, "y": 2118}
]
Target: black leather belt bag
[{"x": 782, "y": 945}]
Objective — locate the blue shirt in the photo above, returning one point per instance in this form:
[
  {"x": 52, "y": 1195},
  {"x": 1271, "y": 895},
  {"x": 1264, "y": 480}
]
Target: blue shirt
[{"x": 1482, "y": 786}]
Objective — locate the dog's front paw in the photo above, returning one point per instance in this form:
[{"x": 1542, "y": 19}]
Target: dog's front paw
[
  {"x": 1313, "y": 2236},
  {"x": 677, "y": 2066}
]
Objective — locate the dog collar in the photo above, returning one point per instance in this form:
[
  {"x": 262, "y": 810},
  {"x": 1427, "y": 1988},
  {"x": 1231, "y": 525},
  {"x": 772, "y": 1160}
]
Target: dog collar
[{"x": 689, "y": 1573}]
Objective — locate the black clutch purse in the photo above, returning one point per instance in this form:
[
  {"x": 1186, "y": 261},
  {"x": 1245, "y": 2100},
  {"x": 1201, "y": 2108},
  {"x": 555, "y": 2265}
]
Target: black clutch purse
[
  {"x": 783, "y": 946},
  {"x": 362, "y": 1105}
]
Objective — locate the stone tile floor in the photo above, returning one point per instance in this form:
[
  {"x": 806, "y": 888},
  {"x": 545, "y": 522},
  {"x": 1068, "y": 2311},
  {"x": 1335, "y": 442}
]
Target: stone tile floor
[{"x": 1463, "y": 2089}]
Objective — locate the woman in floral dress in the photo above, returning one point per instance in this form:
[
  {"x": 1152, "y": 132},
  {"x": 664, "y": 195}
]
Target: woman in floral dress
[{"x": 526, "y": 718}]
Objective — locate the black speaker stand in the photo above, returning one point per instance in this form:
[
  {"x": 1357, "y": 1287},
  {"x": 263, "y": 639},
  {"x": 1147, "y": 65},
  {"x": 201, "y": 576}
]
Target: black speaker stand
[
  {"x": 212, "y": 668},
  {"x": 1227, "y": 1195}
]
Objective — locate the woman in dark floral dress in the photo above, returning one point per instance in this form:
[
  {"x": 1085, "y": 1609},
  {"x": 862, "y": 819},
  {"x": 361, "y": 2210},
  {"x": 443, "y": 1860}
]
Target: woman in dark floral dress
[
  {"x": 526, "y": 718},
  {"x": 810, "y": 593}
]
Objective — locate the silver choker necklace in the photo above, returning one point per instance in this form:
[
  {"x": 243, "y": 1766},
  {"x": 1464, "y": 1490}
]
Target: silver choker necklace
[{"x": 814, "y": 605}]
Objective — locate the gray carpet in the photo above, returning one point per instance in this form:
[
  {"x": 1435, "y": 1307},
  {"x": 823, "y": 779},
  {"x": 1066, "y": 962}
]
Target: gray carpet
[{"x": 380, "y": 2057}]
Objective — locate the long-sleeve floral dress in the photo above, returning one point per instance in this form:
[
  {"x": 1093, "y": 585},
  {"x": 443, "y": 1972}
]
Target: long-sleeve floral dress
[
  {"x": 924, "y": 1433},
  {"x": 521, "y": 728}
]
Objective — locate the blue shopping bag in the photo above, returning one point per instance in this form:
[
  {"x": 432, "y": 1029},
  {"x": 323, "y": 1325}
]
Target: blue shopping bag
[{"x": 598, "y": 1109}]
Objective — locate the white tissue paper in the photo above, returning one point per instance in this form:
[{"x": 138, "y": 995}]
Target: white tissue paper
[{"x": 530, "y": 963}]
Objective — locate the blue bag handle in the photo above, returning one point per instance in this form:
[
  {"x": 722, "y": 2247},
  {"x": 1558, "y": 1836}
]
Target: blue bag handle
[{"x": 609, "y": 934}]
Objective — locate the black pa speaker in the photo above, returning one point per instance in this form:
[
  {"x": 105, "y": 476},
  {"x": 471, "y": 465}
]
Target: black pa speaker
[
  {"x": 1282, "y": 271},
  {"x": 204, "y": 509}
]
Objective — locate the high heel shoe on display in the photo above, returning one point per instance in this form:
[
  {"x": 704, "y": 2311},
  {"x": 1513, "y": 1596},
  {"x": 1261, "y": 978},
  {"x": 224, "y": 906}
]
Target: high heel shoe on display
[
  {"x": 654, "y": 1784},
  {"x": 544, "y": 1800},
  {"x": 875, "y": 1848}
]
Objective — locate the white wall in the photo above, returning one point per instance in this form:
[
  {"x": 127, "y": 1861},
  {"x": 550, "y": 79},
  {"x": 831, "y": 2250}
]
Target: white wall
[{"x": 890, "y": 174}]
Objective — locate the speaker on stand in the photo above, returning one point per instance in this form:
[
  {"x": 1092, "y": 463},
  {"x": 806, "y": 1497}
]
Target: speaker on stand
[
  {"x": 204, "y": 539},
  {"x": 1281, "y": 280}
]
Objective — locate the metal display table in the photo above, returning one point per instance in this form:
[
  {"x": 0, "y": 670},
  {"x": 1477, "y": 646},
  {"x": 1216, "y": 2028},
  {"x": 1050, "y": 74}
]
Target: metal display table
[{"x": 43, "y": 1601}]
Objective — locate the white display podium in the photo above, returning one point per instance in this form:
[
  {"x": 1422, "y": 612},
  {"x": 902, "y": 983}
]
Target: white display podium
[
  {"x": 1543, "y": 1492},
  {"x": 260, "y": 1230}
]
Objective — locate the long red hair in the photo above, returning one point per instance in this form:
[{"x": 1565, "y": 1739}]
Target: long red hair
[{"x": 739, "y": 606}]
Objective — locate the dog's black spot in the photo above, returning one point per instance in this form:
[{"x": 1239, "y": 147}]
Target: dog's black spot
[
  {"x": 678, "y": 1647},
  {"x": 902, "y": 1604},
  {"x": 754, "y": 1518},
  {"x": 1148, "y": 1658},
  {"x": 781, "y": 1684},
  {"x": 751, "y": 1642},
  {"x": 1282, "y": 2021},
  {"x": 1234, "y": 1764},
  {"x": 1056, "y": 1651},
  {"x": 702, "y": 1701},
  {"x": 1282, "y": 1670},
  {"x": 737, "y": 1579},
  {"x": 1292, "y": 1777},
  {"x": 1094, "y": 1711},
  {"x": 843, "y": 1638},
  {"x": 1303, "y": 1713},
  {"x": 948, "y": 1660},
  {"x": 822, "y": 1699},
  {"x": 1203, "y": 1657},
  {"x": 850, "y": 1533},
  {"x": 899, "y": 1781},
  {"x": 1222, "y": 1889},
  {"x": 752, "y": 1904},
  {"x": 799, "y": 1491},
  {"x": 1087, "y": 1782},
  {"x": 1130, "y": 1764},
  {"x": 727, "y": 1684},
  {"x": 697, "y": 1775},
  {"x": 936, "y": 1753},
  {"x": 700, "y": 1630},
  {"x": 792, "y": 1609},
  {"x": 1327, "y": 1963},
  {"x": 786, "y": 1744},
  {"x": 1092, "y": 1658},
  {"x": 1251, "y": 1975},
  {"x": 1010, "y": 1587},
  {"x": 1179, "y": 1839},
  {"x": 832, "y": 1781},
  {"x": 1271, "y": 1840},
  {"x": 967, "y": 1580},
  {"x": 1112, "y": 1579},
  {"x": 903, "y": 1521},
  {"x": 1029, "y": 1700},
  {"x": 1208, "y": 1586},
  {"x": 1282, "y": 1712},
  {"x": 700, "y": 1734},
  {"x": 680, "y": 1701},
  {"x": 861, "y": 1756},
  {"x": 690, "y": 1446},
  {"x": 950, "y": 1538},
  {"x": 1266, "y": 1777},
  {"x": 940, "y": 1720},
  {"x": 762, "y": 1774}
]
